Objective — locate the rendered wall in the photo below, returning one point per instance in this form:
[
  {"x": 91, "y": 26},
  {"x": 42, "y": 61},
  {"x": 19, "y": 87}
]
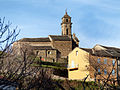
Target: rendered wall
[{"x": 80, "y": 61}]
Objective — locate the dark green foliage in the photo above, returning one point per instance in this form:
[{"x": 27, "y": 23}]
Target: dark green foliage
[
  {"x": 74, "y": 85},
  {"x": 59, "y": 69},
  {"x": 37, "y": 61},
  {"x": 61, "y": 72}
]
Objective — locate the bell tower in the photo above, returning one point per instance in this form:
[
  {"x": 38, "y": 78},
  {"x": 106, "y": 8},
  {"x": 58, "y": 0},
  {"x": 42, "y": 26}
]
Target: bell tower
[{"x": 66, "y": 25}]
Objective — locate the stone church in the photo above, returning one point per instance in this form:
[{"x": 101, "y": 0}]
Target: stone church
[{"x": 54, "y": 48}]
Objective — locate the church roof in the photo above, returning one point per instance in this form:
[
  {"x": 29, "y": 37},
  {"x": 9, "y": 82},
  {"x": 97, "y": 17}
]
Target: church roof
[
  {"x": 87, "y": 49},
  {"x": 42, "y": 48},
  {"x": 66, "y": 15},
  {"x": 35, "y": 40},
  {"x": 53, "y": 37},
  {"x": 60, "y": 38}
]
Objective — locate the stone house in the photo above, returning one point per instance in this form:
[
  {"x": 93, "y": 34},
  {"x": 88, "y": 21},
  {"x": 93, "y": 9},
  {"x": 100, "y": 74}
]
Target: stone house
[
  {"x": 53, "y": 48},
  {"x": 97, "y": 63}
]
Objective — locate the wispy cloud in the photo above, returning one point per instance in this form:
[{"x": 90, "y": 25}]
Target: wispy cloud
[{"x": 94, "y": 21}]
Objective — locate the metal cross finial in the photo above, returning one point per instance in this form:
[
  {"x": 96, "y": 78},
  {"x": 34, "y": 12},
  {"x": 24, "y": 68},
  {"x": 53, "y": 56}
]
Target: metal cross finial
[{"x": 66, "y": 11}]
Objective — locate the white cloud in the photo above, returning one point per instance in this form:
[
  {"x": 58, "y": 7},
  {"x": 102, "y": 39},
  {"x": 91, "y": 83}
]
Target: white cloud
[{"x": 39, "y": 12}]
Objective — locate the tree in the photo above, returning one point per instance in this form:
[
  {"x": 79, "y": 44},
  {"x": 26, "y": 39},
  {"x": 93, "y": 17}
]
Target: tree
[
  {"x": 19, "y": 67},
  {"x": 7, "y": 38},
  {"x": 102, "y": 69}
]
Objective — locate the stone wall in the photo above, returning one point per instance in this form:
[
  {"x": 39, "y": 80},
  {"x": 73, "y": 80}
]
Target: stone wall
[
  {"x": 47, "y": 55},
  {"x": 64, "y": 47},
  {"x": 60, "y": 49},
  {"x": 40, "y": 43},
  {"x": 102, "y": 65}
]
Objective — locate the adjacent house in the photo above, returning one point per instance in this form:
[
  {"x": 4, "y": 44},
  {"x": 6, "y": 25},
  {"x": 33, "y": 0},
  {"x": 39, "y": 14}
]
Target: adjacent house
[{"x": 97, "y": 63}]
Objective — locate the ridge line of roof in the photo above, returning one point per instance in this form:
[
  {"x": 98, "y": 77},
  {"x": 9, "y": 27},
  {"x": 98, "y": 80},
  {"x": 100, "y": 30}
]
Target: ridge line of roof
[{"x": 106, "y": 46}]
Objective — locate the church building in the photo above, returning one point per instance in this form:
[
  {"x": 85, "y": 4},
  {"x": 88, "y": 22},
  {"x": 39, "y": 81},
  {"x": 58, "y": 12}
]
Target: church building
[{"x": 54, "y": 48}]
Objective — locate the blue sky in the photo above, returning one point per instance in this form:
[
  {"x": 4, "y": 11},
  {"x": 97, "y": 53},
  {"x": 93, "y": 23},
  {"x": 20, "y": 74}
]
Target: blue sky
[{"x": 94, "y": 21}]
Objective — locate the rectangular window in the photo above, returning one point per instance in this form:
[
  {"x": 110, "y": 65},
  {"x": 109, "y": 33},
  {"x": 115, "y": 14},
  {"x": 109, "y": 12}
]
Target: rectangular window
[
  {"x": 118, "y": 73},
  {"x": 118, "y": 62},
  {"x": 105, "y": 61},
  {"x": 98, "y": 60},
  {"x": 113, "y": 72},
  {"x": 98, "y": 70},
  {"x": 105, "y": 72},
  {"x": 72, "y": 64},
  {"x": 76, "y": 53},
  {"x": 113, "y": 62},
  {"x": 118, "y": 68}
]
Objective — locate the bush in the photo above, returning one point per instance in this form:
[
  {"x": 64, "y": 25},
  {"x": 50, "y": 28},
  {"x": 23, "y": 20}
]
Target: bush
[{"x": 61, "y": 72}]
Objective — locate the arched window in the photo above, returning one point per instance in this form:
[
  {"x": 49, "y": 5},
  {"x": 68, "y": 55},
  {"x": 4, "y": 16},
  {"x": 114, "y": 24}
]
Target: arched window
[
  {"x": 66, "y": 20},
  {"x": 49, "y": 52},
  {"x": 67, "y": 31},
  {"x": 37, "y": 52},
  {"x": 53, "y": 60}
]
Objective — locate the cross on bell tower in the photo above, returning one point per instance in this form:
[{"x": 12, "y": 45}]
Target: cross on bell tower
[{"x": 66, "y": 25}]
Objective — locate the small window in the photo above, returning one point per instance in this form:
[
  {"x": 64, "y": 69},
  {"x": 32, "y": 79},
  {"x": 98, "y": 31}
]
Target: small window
[
  {"x": 72, "y": 64},
  {"x": 37, "y": 52},
  {"x": 53, "y": 60},
  {"x": 98, "y": 60},
  {"x": 105, "y": 72},
  {"x": 118, "y": 73},
  {"x": 49, "y": 52},
  {"x": 118, "y": 69},
  {"x": 98, "y": 70},
  {"x": 118, "y": 62},
  {"x": 66, "y": 20},
  {"x": 105, "y": 61},
  {"x": 113, "y": 72},
  {"x": 113, "y": 62},
  {"x": 76, "y": 53},
  {"x": 40, "y": 57}
]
